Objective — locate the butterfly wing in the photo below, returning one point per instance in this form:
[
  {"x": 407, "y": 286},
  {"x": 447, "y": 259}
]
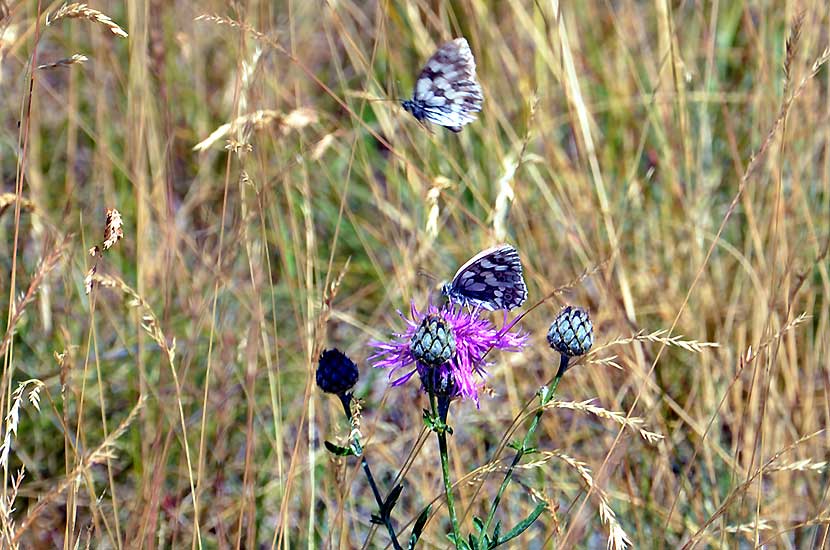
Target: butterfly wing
[
  {"x": 492, "y": 279},
  {"x": 446, "y": 92}
]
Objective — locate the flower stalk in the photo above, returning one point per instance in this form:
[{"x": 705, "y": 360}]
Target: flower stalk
[
  {"x": 545, "y": 395},
  {"x": 440, "y": 407},
  {"x": 337, "y": 375},
  {"x": 571, "y": 334},
  {"x": 383, "y": 513}
]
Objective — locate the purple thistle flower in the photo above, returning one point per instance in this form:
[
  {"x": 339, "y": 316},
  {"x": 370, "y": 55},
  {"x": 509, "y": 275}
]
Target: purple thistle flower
[{"x": 473, "y": 337}]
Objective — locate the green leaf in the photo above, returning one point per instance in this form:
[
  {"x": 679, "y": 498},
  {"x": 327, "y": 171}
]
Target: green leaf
[
  {"x": 521, "y": 527},
  {"x": 419, "y": 527},
  {"x": 516, "y": 445},
  {"x": 461, "y": 543},
  {"x": 435, "y": 423},
  {"x": 497, "y": 530},
  {"x": 338, "y": 450},
  {"x": 479, "y": 524},
  {"x": 429, "y": 420},
  {"x": 391, "y": 500}
]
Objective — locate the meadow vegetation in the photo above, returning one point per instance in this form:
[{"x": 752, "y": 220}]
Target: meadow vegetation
[{"x": 664, "y": 165}]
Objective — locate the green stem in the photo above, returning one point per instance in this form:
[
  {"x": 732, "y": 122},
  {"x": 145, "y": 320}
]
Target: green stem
[
  {"x": 441, "y": 432},
  {"x": 387, "y": 521},
  {"x": 563, "y": 366}
]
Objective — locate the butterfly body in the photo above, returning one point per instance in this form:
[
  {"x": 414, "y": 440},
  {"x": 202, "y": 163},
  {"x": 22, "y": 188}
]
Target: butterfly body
[
  {"x": 491, "y": 280},
  {"x": 446, "y": 92}
]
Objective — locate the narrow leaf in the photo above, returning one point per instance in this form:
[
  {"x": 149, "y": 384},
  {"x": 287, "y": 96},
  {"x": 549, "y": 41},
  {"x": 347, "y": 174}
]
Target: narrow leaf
[
  {"x": 338, "y": 450},
  {"x": 478, "y": 523},
  {"x": 429, "y": 421},
  {"x": 462, "y": 544},
  {"x": 418, "y": 528},
  {"x": 521, "y": 527},
  {"x": 391, "y": 500}
]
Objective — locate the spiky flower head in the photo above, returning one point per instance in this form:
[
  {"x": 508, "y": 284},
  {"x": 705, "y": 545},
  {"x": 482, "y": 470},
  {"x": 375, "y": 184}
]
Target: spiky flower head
[
  {"x": 571, "y": 332},
  {"x": 428, "y": 339},
  {"x": 336, "y": 373},
  {"x": 433, "y": 344}
]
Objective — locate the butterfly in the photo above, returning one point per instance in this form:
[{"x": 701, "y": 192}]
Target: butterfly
[
  {"x": 492, "y": 279},
  {"x": 446, "y": 92}
]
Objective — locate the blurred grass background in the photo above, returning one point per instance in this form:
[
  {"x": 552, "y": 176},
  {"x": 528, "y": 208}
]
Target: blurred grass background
[{"x": 676, "y": 152}]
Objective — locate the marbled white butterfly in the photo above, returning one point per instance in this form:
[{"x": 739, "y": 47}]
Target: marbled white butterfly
[
  {"x": 492, "y": 279},
  {"x": 446, "y": 92}
]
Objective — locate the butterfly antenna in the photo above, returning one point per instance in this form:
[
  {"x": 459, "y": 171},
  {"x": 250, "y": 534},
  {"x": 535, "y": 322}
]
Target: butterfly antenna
[
  {"x": 435, "y": 284},
  {"x": 373, "y": 99},
  {"x": 427, "y": 275}
]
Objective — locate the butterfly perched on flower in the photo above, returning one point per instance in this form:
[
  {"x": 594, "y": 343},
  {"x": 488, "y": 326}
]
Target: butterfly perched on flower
[
  {"x": 492, "y": 279},
  {"x": 446, "y": 92}
]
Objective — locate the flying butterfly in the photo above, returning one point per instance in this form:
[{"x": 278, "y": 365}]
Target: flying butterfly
[
  {"x": 446, "y": 92},
  {"x": 492, "y": 279}
]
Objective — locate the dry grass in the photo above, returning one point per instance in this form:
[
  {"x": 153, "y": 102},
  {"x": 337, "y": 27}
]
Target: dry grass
[
  {"x": 664, "y": 165},
  {"x": 76, "y": 59},
  {"x": 77, "y": 10}
]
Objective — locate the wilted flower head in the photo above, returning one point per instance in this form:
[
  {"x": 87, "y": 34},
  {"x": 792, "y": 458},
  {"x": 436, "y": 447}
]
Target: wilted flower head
[
  {"x": 571, "y": 332},
  {"x": 445, "y": 347},
  {"x": 336, "y": 373}
]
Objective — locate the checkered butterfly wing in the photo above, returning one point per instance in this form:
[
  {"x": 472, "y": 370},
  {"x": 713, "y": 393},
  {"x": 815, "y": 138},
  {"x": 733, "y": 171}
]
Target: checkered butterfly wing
[
  {"x": 492, "y": 279},
  {"x": 446, "y": 92}
]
